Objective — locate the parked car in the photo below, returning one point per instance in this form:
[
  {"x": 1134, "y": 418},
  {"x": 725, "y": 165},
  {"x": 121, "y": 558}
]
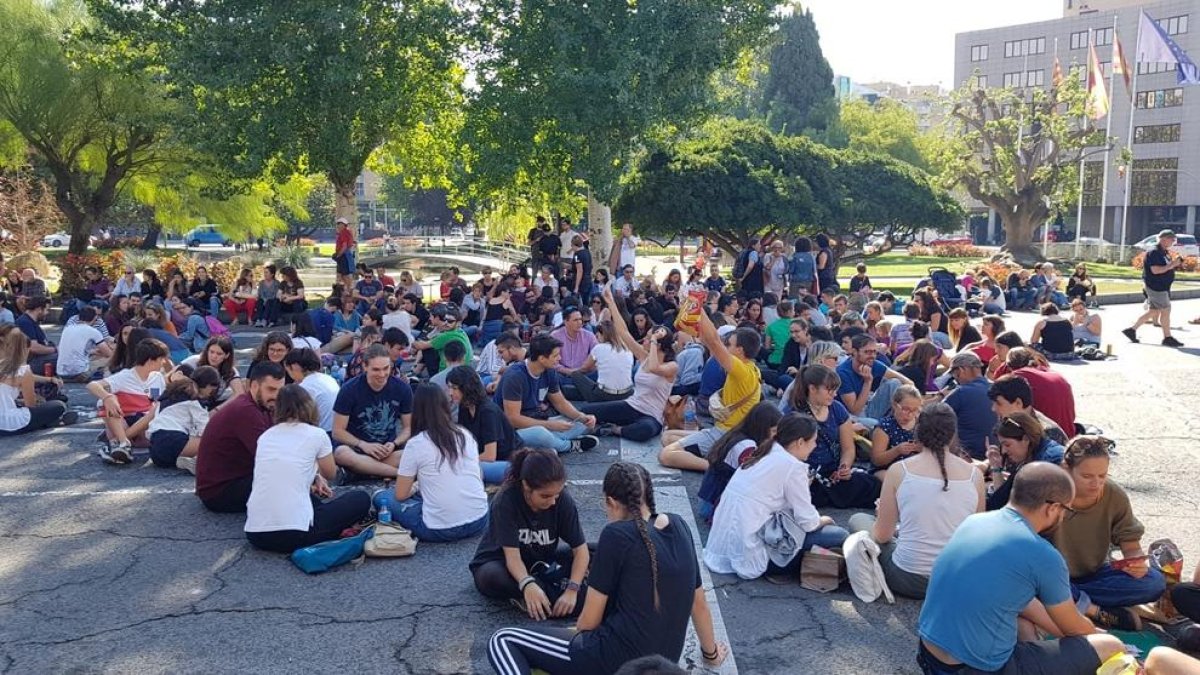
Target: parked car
[
  {"x": 1094, "y": 241},
  {"x": 60, "y": 239},
  {"x": 206, "y": 234},
  {"x": 952, "y": 240},
  {"x": 1185, "y": 244}
]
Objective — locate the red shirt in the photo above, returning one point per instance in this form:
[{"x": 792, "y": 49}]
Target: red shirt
[
  {"x": 228, "y": 445},
  {"x": 1052, "y": 396},
  {"x": 985, "y": 353},
  {"x": 345, "y": 239}
]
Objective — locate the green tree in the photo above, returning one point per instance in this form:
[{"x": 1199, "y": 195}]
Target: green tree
[
  {"x": 569, "y": 90},
  {"x": 1018, "y": 152},
  {"x": 286, "y": 88},
  {"x": 798, "y": 92},
  {"x": 887, "y": 127}
]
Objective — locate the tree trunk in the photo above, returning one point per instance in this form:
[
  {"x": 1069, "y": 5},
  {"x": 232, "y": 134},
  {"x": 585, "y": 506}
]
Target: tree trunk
[
  {"x": 80, "y": 230},
  {"x": 150, "y": 242},
  {"x": 1018, "y": 238},
  {"x": 346, "y": 204},
  {"x": 600, "y": 234}
]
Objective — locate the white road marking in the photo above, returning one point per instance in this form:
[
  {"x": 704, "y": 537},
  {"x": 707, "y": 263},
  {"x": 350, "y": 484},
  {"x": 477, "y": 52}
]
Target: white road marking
[
  {"x": 674, "y": 499},
  {"x": 99, "y": 493}
]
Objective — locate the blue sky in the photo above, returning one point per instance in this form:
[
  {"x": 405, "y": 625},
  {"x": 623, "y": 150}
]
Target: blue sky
[{"x": 911, "y": 41}]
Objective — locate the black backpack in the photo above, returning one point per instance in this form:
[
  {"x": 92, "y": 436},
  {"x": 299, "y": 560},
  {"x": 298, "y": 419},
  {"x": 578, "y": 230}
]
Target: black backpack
[{"x": 739, "y": 266}]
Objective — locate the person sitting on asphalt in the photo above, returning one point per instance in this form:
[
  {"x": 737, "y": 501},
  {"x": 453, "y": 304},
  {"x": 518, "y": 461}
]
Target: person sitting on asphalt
[
  {"x": 1021, "y": 441},
  {"x": 1053, "y": 335},
  {"x": 867, "y": 384},
  {"x": 967, "y": 626},
  {"x": 274, "y": 348},
  {"x": 970, "y": 403},
  {"x": 304, "y": 367},
  {"x": 178, "y": 424},
  {"x": 610, "y": 361},
  {"x": 1185, "y": 596},
  {"x": 640, "y": 417},
  {"x": 455, "y": 355},
  {"x": 128, "y": 399},
  {"x": 1011, "y": 394},
  {"x": 837, "y": 481},
  {"x": 195, "y": 333},
  {"x": 1052, "y": 393},
  {"x": 774, "y": 479},
  {"x": 444, "y": 457},
  {"x": 218, "y": 353},
  {"x": 16, "y": 381},
  {"x": 741, "y": 391},
  {"x": 894, "y": 438},
  {"x": 534, "y": 553},
  {"x": 1086, "y": 325},
  {"x": 225, "y": 461},
  {"x": 293, "y": 463},
  {"x": 41, "y": 350},
  {"x": 82, "y": 350},
  {"x": 1101, "y": 517},
  {"x": 444, "y": 318},
  {"x": 990, "y": 327},
  {"x": 346, "y": 323},
  {"x": 928, "y": 495},
  {"x": 372, "y": 418},
  {"x": 203, "y": 294},
  {"x": 577, "y": 343},
  {"x": 529, "y": 395},
  {"x": 732, "y": 450},
  {"x": 645, "y": 565},
  {"x": 479, "y": 414}
]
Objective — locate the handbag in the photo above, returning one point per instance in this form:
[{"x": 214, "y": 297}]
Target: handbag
[
  {"x": 673, "y": 412},
  {"x": 327, "y": 555},
  {"x": 390, "y": 541},
  {"x": 721, "y": 412},
  {"x": 822, "y": 570}
]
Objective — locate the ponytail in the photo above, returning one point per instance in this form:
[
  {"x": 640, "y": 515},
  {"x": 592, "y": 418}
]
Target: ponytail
[
  {"x": 793, "y": 427},
  {"x": 535, "y": 467}
]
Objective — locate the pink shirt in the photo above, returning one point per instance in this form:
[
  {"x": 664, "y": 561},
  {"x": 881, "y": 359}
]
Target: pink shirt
[{"x": 574, "y": 352}]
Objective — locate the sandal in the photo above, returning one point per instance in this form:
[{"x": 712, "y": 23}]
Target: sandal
[{"x": 1195, "y": 321}]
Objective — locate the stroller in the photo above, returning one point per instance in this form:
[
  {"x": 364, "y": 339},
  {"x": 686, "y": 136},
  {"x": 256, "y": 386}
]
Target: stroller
[{"x": 946, "y": 284}]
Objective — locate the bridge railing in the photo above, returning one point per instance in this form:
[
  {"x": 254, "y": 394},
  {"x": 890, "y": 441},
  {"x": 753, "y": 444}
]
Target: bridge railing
[{"x": 506, "y": 253}]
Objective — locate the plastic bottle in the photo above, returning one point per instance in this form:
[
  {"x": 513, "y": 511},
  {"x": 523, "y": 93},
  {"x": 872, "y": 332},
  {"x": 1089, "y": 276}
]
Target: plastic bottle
[
  {"x": 385, "y": 514},
  {"x": 689, "y": 415}
]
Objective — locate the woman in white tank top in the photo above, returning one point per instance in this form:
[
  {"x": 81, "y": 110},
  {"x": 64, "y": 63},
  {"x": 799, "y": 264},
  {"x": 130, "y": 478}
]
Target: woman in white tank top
[{"x": 928, "y": 496}]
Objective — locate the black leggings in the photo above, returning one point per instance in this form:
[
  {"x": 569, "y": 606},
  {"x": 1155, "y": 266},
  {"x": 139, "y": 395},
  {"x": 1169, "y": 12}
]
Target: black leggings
[
  {"x": 233, "y": 496},
  {"x": 329, "y": 519},
  {"x": 587, "y": 389},
  {"x": 516, "y": 651},
  {"x": 1186, "y": 597},
  {"x": 41, "y": 416},
  {"x": 634, "y": 425},
  {"x": 493, "y": 580}
]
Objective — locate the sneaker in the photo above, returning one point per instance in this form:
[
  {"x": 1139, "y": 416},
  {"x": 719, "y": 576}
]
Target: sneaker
[
  {"x": 70, "y": 417},
  {"x": 584, "y": 443},
  {"x": 188, "y": 464},
  {"x": 1121, "y": 618},
  {"x": 1131, "y": 334},
  {"x": 106, "y": 453},
  {"x": 121, "y": 452},
  {"x": 1170, "y": 341}
]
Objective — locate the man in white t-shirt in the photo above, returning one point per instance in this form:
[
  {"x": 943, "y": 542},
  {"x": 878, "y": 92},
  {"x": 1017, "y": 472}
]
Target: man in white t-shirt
[
  {"x": 128, "y": 398},
  {"x": 79, "y": 345},
  {"x": 304, "y": 367},
  {"x": 628, "y": 246}
]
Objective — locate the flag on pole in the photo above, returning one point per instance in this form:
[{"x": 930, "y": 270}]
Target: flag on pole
[
  {"x": 1097, "y": 90},
  {"x": 1120, "y": 65},
  {"x": 1155, "y": 46},
  {"x": 1056, "y": 76}
]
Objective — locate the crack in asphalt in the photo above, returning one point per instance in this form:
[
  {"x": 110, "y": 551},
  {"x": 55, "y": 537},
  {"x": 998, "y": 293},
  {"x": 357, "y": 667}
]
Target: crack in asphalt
[
  {"x": 120, "y": 535},
  {"x": 398, "y": 652},
  {"x": 133, "y": 560}
]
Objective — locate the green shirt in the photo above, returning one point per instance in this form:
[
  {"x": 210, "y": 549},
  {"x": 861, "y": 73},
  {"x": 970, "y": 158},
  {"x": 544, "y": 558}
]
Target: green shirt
[
  {"x": 780, "y": 331},
  {"x": 440, "y": 340}
]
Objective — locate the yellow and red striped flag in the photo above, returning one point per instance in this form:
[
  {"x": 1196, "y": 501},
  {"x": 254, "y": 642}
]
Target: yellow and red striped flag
[
  {"x": 1056, "y": 76},
  {"x": 1119, "y": 64},
  {"x": 1097, "y": 90}
]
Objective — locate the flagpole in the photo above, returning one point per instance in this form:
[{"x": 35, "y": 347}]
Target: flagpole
[
  {"x": 1112, "y": 97},
  {"x": 1082, "y": 164},
  {"x": 1129, "y": 139}
]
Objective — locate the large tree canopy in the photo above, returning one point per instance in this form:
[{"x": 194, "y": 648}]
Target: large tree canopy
[
  {"x": 734, "y": 180},
  {"x": 297, "y": 87},
  {"x": 1018, "y": 152}
]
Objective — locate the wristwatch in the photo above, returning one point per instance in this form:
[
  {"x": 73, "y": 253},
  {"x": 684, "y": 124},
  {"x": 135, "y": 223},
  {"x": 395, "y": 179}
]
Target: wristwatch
[{"x": 573, "y": 586}]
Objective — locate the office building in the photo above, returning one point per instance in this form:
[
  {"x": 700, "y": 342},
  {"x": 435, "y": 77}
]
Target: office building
[{"x": 1165, "y": 174}]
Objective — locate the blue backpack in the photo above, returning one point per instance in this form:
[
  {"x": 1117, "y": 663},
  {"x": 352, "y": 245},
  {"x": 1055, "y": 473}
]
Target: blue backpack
[{"x": 327, "y": 555}]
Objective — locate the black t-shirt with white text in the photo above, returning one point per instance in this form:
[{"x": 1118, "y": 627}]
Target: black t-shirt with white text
[{"x": 512, "y": 524}]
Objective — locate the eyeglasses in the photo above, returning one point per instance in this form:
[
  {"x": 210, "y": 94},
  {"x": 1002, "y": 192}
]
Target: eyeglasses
[{"x": 1070, "y": 512}]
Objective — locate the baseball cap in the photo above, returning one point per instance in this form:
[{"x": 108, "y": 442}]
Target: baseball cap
[
  {"x": 1167, "y": 234},
  {"x": 966, "y": 360},
  {"x": 341, "y": 221},
  {"x": 446, "y": 311}
]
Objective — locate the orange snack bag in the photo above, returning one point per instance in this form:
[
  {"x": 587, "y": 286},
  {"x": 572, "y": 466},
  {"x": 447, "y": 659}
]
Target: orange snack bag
[{"x": 691, "y": 307}]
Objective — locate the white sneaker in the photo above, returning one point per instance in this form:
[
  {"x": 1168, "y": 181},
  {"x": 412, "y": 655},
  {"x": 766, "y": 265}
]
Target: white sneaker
[
  {"x": 188, "y": 464},
  {"x": 122, "y": 452}
]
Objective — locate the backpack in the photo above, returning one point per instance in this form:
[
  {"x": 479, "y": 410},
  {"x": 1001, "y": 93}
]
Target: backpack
[
  {"x": 215, "y": 327},
  {"x": 739, "y": 266},
  {"x": 327, "y": 555}
]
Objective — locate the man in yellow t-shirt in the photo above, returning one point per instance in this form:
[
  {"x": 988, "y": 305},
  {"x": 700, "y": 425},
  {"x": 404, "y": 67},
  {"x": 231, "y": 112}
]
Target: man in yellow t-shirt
[{"x": 742, "y": 391}]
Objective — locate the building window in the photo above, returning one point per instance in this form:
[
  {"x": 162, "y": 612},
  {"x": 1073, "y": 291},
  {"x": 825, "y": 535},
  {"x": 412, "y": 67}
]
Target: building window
[
  {"x": 1027, "y": 47},
  {"x": 1035, "y": 78},
  {"x": 1103, "y": 36},
  {"x": 1154, "y": 181},
  {"x": 1079, "y": 40},
  {"x": 1149, "y": 68},
  {"x": 979, "y": 53},
  {"x": 980, "y": 82},
  {"x": 1012, "y": 80},
  {"x": 1175, "y": 25},
  {"x": 1157, "y": 133},
  {"x": 1093, "y": 182},
  {"x": 1160, "y": 98}
]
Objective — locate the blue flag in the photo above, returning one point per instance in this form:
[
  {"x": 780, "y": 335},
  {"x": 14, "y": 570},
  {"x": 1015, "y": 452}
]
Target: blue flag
[{"x": 1155, "y": 46}]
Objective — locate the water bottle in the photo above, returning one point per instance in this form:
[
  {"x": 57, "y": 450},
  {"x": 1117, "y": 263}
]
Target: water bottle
[
  {"x": 385, "y": 515},
  {"x": 689, "y": 415}
]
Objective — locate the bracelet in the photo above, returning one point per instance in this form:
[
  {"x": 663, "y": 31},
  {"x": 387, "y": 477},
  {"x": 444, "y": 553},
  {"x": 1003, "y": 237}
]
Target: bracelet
[
  {"x": 573, "y": 586},
  {"x": 709, "y": 657},
  {"x": 525, "y": 582}
]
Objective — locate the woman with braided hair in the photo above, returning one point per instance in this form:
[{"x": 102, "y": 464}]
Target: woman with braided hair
[
  {"x": 646, "y": 564},
  {"x": 929, "y": 495}
]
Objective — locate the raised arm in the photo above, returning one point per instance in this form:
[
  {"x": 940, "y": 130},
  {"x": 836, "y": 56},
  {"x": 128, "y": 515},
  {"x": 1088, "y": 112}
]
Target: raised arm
[{"x": 622, "y": 330}]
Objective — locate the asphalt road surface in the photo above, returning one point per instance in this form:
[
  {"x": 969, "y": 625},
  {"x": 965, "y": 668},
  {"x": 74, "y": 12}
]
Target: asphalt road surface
[{"x": 120, "y": 569}]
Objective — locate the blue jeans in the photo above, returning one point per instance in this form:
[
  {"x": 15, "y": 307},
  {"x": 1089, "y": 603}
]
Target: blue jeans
[
  {"x": 560, "y": 441},
  {"x": 408, "y": 514},
  {"x": 1109, "y": 587},
  {"x": 879, "y": 405},
  {"x": 941, "y": 339},
  {"x": 826, "y": 536},
  {"x": 493, "y": 472}
]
